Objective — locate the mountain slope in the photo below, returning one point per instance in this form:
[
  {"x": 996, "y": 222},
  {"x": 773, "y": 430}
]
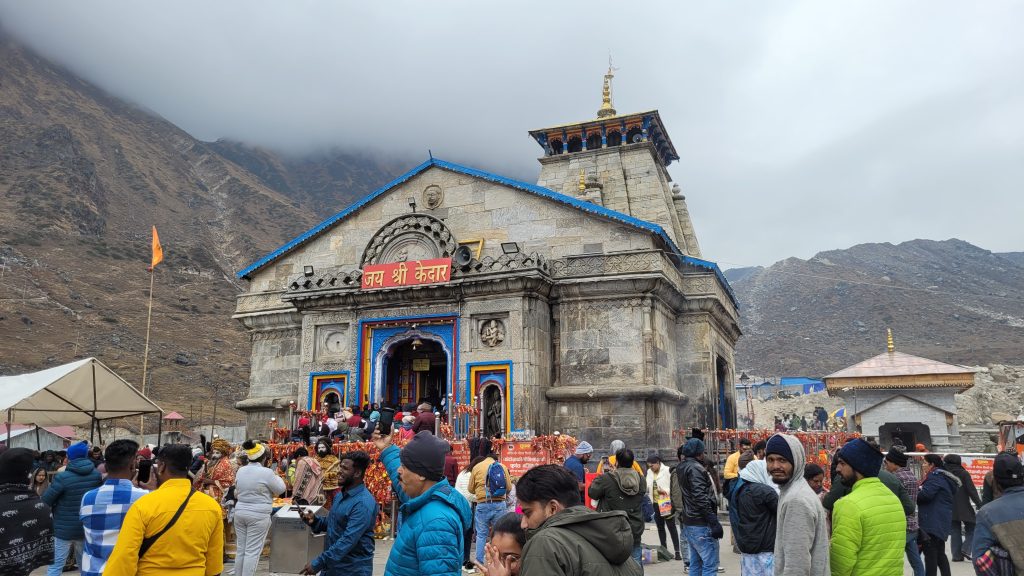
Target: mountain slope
[
  {"x": 948, "y": 300},
  {"x": 83, "y": 176}
]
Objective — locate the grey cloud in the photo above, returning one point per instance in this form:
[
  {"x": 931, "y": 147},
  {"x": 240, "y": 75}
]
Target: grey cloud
[{"x": 802, "y": 126}]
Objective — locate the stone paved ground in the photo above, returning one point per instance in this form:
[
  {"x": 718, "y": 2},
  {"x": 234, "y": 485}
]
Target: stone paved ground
[{"x": 730, "y": 561}]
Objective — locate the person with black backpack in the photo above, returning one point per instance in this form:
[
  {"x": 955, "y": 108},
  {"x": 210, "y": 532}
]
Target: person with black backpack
[{"x": 489, "y": 481}]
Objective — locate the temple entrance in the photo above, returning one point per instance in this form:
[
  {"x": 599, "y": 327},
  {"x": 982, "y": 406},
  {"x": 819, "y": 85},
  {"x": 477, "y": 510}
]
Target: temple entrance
[
  {"x": 492, "y": 409},
  {"x": 415, "y": 371},
  {"x": 331, "y": 403},
  {"x": 908, "y": 434}
]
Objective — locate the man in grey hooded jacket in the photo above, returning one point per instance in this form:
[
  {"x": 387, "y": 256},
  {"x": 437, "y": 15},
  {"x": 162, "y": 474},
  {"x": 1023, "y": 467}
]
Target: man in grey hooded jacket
[
  {"x": 620, "y": 489},
  {"x": 801, "y": 534}
]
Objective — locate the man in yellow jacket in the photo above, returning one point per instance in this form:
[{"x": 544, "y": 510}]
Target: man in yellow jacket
[
  {"x": 868, "y": 524},
  {"x": 192, "y": 546}
]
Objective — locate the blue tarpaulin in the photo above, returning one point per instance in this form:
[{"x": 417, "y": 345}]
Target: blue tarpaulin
[{"x": 806, "y": 385}]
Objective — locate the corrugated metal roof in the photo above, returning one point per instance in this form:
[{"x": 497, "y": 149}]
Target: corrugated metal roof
[{"x": 898, "y": 364}]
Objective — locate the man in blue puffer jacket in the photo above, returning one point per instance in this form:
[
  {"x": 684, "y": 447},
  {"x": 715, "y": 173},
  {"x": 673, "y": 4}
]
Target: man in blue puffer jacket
[
  {"x": 434, "y": 516},
  {"x": 64, "y": 496}
]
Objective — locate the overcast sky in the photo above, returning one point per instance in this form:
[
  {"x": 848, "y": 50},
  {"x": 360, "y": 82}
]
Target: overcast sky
[{"x": 802, "y": 126}]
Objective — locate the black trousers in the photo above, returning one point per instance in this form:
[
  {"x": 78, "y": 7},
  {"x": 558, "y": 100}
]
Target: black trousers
[
  {"x": 935, "y": 557},
  {"x": 673, "y": 530},
  {"x": 467, "y": 555}
]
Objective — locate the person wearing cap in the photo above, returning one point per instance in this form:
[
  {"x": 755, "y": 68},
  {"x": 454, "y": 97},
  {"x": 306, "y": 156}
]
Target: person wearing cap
[
  {"x": 1001, "y": 523},
  {"x": 64, "y": 496},
  {"x": 869, "y": 526},
  {"x": 434, "y": 516},
  {"x": 840, "y": 488},
  {"x": 425, "y": 419},
  {"x": 693, "y": 498},
  {"x": 935, "y": 512},
  {"x": 32, "y": 535},
  {"x": 256, "y": 486},
  {"x": 801, "y": 529},
  {"x": 896, "y": 464},
  {"x": 577, "y": 463}
]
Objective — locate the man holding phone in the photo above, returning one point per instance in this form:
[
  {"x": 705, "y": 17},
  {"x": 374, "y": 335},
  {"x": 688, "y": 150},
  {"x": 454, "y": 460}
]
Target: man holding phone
[{"x": 349, "y": 546}]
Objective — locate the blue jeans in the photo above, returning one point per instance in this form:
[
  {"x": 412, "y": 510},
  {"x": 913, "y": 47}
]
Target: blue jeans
[
  {"x": 703, "y": 550},
  {"x": 960, "y": 542},
  {"x": 914, "y": 555},
  {"x": 487, "y": 513},
  {"x": 638, "y": 556},
  {"x": 61, "y": 549}
]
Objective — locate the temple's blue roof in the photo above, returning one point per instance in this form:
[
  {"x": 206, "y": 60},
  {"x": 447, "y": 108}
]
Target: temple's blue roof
[{"x": 532, "y": 188}]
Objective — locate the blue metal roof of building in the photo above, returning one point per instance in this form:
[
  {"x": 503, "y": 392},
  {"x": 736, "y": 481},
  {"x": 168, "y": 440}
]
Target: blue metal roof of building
[{"x": 532, "y": 188}]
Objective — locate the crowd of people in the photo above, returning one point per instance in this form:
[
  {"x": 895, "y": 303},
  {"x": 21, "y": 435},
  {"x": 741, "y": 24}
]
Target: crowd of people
[{"x": 126, "y": 510}]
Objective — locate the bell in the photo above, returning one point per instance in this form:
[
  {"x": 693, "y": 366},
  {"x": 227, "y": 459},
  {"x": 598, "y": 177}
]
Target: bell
[{"x": 416, "y": 343}]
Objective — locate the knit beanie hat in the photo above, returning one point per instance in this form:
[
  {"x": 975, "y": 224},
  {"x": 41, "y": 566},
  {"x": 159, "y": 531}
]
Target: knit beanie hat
[
  {"x": 897, "y": 457},
  {"x": 584, "y": 448},
  {"x": 861, "y": 457},
  {"x": 1008, "y": 470},
  {"x": 777, "y": 444},
  {"x": 693, "y": 447},
  {"x": 78, "y": 450},
  {"x": 424, "y": 455}
]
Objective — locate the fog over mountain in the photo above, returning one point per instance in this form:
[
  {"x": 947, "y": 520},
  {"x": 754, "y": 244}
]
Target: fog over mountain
[{"x": 802, "y": 125}]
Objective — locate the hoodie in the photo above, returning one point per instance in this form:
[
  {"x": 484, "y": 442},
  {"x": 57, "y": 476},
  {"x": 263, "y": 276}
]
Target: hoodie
[
  {"x": 620, "y": 489},
  {"x": 801, "y": 536},
  {"x": 580, "y": 542}
]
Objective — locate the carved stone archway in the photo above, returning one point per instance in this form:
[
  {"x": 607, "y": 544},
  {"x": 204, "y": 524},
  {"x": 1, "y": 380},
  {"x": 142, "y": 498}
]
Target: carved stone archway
[{"x": 410, "y": 237}]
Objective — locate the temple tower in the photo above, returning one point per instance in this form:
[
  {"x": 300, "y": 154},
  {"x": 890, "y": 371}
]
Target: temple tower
[{"x": 618, "y": 161}]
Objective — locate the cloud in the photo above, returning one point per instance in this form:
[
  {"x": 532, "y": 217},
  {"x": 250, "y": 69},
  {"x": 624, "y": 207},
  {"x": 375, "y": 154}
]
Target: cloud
[{"x": 802, "y": 126}]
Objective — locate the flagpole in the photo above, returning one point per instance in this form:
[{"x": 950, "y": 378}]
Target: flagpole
[{"x": 145, "y": 355}]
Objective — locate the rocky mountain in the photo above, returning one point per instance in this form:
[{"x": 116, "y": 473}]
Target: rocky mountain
[
  {"x": 948, "y": 300},
  {"x": 83, "y": 176}
]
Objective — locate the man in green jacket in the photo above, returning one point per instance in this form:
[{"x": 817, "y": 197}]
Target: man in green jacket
[
  {"x": 620, "y": 489},
  {"x": 564, "y": 538},
  {"x": 868, "y": 525}
]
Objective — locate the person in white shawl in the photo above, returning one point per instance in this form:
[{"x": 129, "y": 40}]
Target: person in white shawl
[
  {"x": 752, "y": 509},
  {"x": 659, "y": 479}
]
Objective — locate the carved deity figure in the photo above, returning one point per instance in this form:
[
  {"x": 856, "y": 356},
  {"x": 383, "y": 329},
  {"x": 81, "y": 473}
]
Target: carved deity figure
[{"x": 492, "y": 333}]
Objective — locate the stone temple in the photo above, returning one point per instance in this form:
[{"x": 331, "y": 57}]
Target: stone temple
[{"x": 579, "y": 304}]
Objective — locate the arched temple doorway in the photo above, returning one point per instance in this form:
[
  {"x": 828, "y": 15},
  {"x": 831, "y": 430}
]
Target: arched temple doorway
[
  {"x": 415, "y": 370},
  {"x": 330, "y": 402},
  {"x": 492, "y": 408}
]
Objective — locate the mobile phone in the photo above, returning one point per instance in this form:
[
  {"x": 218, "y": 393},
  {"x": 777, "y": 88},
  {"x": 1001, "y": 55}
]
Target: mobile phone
[{"x": 144, "y": 468}]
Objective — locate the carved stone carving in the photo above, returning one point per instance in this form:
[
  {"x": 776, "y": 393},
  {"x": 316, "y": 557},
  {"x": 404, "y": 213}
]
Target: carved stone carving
[
  {"x": 492, "y": 332},
  {"x": 333, "y": 341},
  {"x": 410, "y": 237},
  {"x": 433, "y": 196}
]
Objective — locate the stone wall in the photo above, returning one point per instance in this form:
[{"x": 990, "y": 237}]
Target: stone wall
[{"x": 925, "y": 406}]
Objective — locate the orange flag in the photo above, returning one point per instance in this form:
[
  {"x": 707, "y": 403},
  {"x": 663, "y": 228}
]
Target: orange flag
[{"x": 158, "y": 250}]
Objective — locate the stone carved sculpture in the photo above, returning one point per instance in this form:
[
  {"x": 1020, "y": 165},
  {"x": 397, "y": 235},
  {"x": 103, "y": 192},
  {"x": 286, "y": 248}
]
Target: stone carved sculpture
[
  {"x": 492, "y": 333},
  {"x": 433, "y": 196}
]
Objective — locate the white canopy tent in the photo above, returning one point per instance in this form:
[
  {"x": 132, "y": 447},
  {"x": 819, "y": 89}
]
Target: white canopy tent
[{"x": 82, "y": 392}]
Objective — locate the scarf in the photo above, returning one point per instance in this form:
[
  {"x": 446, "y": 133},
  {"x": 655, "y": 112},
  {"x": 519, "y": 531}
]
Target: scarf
[{"x": 757, "y": 471}]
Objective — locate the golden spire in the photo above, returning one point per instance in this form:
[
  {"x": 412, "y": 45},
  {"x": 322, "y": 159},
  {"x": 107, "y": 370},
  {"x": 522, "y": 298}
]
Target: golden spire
[
  {"x": 606, "y": 93},
  {"x": 583, "y": 181},
  {"x": 889, "y": 344}
]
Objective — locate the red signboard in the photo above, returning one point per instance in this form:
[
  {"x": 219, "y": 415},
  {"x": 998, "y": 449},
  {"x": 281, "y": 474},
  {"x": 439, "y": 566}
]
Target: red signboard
[
  {"x": 519, "y": 457},
  {"x": 414, "y": 273},
  {"x": 978, "y": 467}
]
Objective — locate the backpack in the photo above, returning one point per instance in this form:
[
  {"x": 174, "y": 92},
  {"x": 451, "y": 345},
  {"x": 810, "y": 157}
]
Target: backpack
[{"x": 496, "y": 483}]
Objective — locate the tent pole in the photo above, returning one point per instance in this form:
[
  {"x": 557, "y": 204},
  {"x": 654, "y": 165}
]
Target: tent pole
[
  {"x": 37, "y": 437},
  {"x": 10, "y": 416},
  {"x": 99, "y": 431},
  {"x": 160, "y": 431},
  {"x": 92, "y": 431}
]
